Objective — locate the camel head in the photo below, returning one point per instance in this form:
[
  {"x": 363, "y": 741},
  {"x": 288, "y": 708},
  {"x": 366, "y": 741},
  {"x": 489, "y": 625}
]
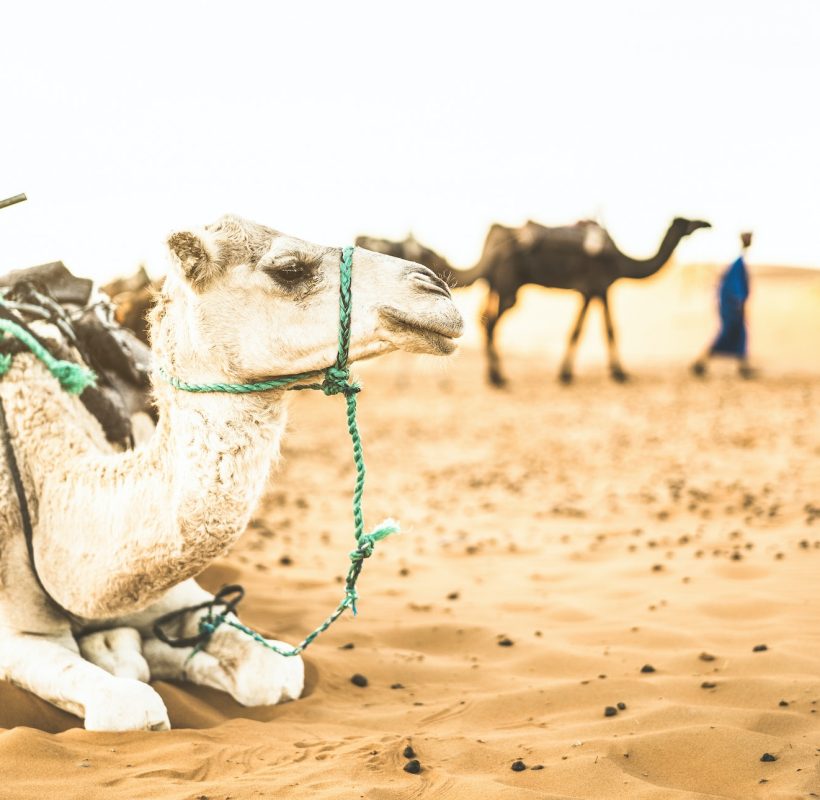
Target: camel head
[
  {"x": 689, "y": 226},
  {"x": 249, "y": 302}
]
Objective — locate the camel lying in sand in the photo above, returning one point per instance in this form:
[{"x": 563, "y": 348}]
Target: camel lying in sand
[{"x": 119, "y": 537}]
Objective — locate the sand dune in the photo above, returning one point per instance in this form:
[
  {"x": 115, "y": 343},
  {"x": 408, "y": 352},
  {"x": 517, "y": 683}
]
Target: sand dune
[{"x": 565, "y": 549}]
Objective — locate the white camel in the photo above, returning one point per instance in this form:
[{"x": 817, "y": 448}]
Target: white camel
[{"x": 119, "y": 537}]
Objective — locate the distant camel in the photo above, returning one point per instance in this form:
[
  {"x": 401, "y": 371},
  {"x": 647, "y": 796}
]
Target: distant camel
[
  {"x": 411, "y": 250},
  {"x": 581, "y": 257}
]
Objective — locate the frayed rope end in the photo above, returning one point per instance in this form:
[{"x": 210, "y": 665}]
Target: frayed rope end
[{"x": 73, "y": 378}]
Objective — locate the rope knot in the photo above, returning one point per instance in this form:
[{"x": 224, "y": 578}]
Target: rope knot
[
  {"x": 367, "y": 541},
  {"x": 337, "y": 381}
]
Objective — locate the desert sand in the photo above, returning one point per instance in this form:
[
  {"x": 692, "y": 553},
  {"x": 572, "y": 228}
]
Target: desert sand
[{"x": 564, "y": 550}]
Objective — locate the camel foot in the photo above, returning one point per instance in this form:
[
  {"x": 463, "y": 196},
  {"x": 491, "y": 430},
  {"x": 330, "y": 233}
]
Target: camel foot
[
  {"x": 619, "y": 376},
  {"x": 126, "y": 705},
  {"x": 234, "y": 663},
  {"x": 565, "y": 376},
  {"x": 497, "y": 380},
  {"x": 249, "y": 672},
  {"x": 699, "y": 369}
]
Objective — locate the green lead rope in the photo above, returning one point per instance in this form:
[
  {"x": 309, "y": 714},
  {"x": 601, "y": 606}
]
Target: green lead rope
[
  {"x": 336, "y": 381},
  {"x": 72, "y": 377}
]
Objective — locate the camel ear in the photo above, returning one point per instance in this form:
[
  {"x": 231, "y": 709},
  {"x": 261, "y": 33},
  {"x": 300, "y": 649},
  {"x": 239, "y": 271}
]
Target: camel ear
[{"x": 198, "y": 261}]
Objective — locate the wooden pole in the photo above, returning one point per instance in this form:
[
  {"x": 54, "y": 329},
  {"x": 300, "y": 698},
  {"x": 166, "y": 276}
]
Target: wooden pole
[{"x": 10, "y": 201}]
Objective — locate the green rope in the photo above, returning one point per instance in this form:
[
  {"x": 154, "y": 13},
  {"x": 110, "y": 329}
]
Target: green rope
[
  {"x": 336, "y": 381},
  {"x": 72, "y": 377}
]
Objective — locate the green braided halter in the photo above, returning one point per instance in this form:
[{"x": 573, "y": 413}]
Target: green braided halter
[{"x": 336, "y": 381}]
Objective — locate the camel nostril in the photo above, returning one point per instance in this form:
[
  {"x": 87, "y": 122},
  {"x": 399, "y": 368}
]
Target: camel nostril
[{"x": 428, "y": 280}]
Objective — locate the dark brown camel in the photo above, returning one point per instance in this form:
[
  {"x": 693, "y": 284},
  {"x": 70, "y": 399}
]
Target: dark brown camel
[
  {"x": 412, "y": 250},
  {"x": 581, "y": 257}
]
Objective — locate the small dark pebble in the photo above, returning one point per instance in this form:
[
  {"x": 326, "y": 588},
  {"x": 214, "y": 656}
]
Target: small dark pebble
[
  {"x": 453, "y": 596},
  {"x": 622, "y": 706},
  {"x": 760, "y": 648},
  {"x": 397, "y": 686},
  {"x": 708, "y": 685},
  {"x": 538, "y": 766},
  {"x": 518, "y": 766},
  {"x": 610, "y": 711},
  {"x": 348, "y": 646},
  {"x": 783, "y": 703},
  {"x": 768, "y": 757},
  {"x": 647, "y": 668},
  {"x": 358, "y": 680},
  {"x": 409, "y": 752},
  {"x": 707, "y": 657},
  {"x": 286, "y": 561},
  {"x": 505, "y": 642},
  {"x": 413, "y": 767},
  {"x": 404, "y": 572}
]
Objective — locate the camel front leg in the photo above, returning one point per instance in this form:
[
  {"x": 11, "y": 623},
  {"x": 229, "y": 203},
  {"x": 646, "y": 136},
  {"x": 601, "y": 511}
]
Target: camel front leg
[
  {"x": 615, "y": 368},
  {"x": 565, "y": 376},
  {"x": 232, "y": 662},
  {"x": 495, "y": 306},
  {"x": 52, "y": 668}
]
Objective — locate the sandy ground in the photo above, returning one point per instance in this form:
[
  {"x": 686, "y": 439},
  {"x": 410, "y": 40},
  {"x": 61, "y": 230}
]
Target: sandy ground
[{"x": 565, "y": 549}]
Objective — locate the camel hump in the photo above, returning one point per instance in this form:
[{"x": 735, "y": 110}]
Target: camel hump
[{"x": 585, "y": 236}]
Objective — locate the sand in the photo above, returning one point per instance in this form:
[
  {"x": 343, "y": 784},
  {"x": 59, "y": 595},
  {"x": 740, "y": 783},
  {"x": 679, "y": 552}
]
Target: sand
[{"x": 557, "y": 540}]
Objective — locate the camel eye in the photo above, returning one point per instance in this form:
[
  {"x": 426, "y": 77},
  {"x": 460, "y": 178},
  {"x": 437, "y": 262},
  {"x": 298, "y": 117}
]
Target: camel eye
[{"x": 290, "y": 273}]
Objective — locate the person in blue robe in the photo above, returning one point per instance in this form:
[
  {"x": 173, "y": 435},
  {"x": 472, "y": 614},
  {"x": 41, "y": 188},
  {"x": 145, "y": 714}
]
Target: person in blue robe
[{"x": 732, "y": 296}]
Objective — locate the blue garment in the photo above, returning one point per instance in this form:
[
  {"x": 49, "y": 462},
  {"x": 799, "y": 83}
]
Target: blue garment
[{"x": 734, "y": 290}]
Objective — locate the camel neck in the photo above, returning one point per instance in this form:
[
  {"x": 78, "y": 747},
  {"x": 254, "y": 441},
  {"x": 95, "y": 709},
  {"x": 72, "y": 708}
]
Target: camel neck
[
  {"x": 643, "y": 268},
  {"x": 156, "y": 516}
]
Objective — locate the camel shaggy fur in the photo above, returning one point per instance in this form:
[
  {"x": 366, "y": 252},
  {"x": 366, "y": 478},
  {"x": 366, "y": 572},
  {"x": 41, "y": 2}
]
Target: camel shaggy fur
[{"x": 119, "y": 537}]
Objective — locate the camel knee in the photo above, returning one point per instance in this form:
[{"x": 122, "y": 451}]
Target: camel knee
[{"x": 117, "y": 651}]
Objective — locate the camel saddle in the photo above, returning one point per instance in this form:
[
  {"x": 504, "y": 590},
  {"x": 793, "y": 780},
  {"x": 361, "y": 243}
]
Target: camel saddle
[{"x": 80, "y": 326}]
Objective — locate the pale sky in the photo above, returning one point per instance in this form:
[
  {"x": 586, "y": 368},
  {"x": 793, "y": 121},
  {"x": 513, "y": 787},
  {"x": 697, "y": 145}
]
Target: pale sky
[{"x": 123, "y": 122}]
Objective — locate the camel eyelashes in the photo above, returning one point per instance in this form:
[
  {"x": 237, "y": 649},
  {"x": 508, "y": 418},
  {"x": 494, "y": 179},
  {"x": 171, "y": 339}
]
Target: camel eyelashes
[{"x": 292, "y": 270}]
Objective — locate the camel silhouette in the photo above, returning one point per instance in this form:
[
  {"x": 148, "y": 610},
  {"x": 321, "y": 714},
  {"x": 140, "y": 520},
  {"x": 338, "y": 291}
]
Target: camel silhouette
[{"x": 582, "y": 257}]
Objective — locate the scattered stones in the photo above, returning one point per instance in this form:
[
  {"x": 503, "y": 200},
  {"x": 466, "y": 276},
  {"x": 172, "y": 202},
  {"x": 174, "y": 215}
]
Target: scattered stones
[
  {"x": 453, "y": 596},
  {"x": 397, "y": 686},
  {"x": 708, "y": 685},
  {"x": 621, "y": 706},
  {"x": 537, "y": 766},
  {"x": 505, "y": 642},
  {"x": 706, "y": 657},
  {"x": 760, "y": 648},
  {"x": 518, "y": 766},
  {"x": 409, "y": 752},
  {"x": 413, "y": 767},
  {"x": 348, "y": 646},
  {"x": 358, "y": 680},
  {"x": 647, "y": 668},
  {"x": 783, "y": 703},
  {"x": 610, "y": 711},
  {"x": 768, "y": 757},
  {"x": 286, "y": 561}
]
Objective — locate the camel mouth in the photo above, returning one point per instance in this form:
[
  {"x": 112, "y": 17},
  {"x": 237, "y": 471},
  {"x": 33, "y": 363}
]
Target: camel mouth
[{"x": 433, "y": 333}]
